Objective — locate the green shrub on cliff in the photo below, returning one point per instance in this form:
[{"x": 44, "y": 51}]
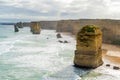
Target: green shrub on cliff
[{"x": 88, "y": 28}]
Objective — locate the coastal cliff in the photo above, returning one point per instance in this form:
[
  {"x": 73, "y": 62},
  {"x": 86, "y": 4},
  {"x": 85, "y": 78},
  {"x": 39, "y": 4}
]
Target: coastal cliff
[
  {"x": 44, "y": 24},
  {"x": 48, "y": 25},
  {"x": 110, "y": 28},
  {"x": 68, "y": 26}
]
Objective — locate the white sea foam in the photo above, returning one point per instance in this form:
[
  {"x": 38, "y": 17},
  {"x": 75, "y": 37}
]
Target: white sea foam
[
  {"x": 42, "y": 57},
  {"x": 46, "y": 55},
  {"x": 5, "y": 46},
  {"x": 108, "y": 71}
]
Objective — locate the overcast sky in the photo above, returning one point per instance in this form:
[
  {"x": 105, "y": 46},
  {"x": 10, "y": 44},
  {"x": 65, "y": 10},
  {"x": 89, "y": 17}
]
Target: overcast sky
[{"x": 29, "y": 10}]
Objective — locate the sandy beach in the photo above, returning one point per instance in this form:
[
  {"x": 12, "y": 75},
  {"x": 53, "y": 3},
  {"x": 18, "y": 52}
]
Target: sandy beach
[{"x": 112, "y": 58}]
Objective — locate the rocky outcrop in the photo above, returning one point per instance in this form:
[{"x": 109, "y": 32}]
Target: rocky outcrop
[
  {"x": 60, "y": 41},
  {"x": 19, "y": 25},
  {"x": 108, "y": 65},
  {"x": 88, "y": 48},
  {"x": 35, "y": 27},
  {"x": 15, "y": 28},
  {"x": 116, "y": 68},
  {"x": 65, "y": 41},
  {"x": 59, "y": 35}
]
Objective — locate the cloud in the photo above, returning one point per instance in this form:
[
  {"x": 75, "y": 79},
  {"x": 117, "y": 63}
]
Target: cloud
[
  {"x": 87, "y": 8},
  {"x": 93, "y": 9},
  {"x": 59, "y": 9}
]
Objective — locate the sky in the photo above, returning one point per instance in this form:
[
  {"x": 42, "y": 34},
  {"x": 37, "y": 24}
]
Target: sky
[{"x": 36, "y": 10}]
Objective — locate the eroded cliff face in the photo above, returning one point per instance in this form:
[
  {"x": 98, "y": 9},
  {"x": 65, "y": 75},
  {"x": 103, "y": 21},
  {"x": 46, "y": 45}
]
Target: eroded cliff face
[
  {"x": 44, "y": 24},
  {"x": 48, "y": 24},
  {"x": 68, "y": 26},
  {"x": 110, "y": 28}
]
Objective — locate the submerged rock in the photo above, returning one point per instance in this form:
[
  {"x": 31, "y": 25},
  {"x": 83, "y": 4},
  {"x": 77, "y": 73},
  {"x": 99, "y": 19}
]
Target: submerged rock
[
  {"x": 116, "y": 68},
  {"x": 108, "y": 65},
  {"x": 59, "y": 35},
  {"x": 60, "y": 41},
  {"x": 88, "y": 51},
  {"x": 65, "y": 41}
]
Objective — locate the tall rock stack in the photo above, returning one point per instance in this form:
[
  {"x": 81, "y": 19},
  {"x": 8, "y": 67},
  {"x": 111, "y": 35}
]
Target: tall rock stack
[
  {"x": 88, "y": 51},
  {"x": 15, "y": 28},
  {"x": 35, "y": 27}
]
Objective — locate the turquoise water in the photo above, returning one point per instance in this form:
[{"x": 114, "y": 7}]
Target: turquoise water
[{"x": 24, "y": 56}]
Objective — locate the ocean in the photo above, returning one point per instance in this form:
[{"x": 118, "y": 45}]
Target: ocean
[{"x": 24, "y": 56}]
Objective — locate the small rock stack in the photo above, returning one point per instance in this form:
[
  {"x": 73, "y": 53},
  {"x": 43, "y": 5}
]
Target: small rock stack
[
  {"x": 89, "y": 52},
  {"x": 19, "y": 24},
  {"x": 59, "y": 35},
  {"x": 35, "y": 27}
]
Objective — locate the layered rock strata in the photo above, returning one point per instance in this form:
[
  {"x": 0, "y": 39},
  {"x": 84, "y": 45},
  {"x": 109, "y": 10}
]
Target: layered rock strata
[
  {"x": 88, "y": 51},
  {"x": 35, "y": 27}
]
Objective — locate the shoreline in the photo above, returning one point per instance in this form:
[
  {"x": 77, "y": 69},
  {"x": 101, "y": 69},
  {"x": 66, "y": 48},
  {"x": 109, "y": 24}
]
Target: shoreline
[
  {"x": 112, "y": 59},
  {"x": 105, "y": 48}
]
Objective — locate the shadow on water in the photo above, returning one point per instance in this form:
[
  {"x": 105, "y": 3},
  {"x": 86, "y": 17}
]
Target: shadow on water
[{"x": 68, "y": 73}]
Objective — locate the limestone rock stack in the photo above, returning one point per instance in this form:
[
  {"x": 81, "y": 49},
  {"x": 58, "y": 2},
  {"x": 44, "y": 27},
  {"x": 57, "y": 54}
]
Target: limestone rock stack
[
  {"x": 15, "y": 28},
  {"x": 19, "y": 24},
  {"x": 88, "y": 51},
  {"x": 35, "y": 27}
]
